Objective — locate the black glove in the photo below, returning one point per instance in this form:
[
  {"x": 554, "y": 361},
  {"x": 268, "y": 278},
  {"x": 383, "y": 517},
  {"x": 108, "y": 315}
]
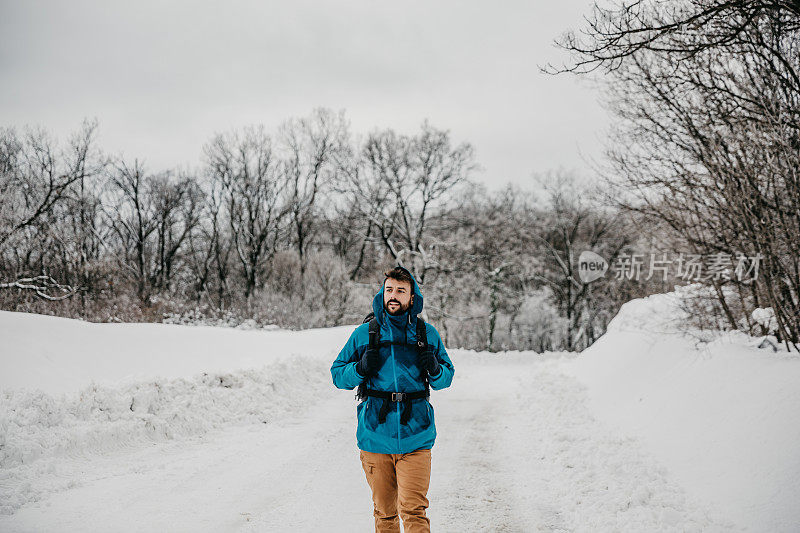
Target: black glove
[
  {"x": 429, "y": 362},
  {"x": 368, "y": 364}
]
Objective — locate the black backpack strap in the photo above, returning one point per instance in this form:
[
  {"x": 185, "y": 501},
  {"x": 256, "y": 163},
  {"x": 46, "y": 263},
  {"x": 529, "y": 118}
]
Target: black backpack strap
[
  {"x": 374, "y": 342},
  {"x": 422, "y": 335},
  {"x": 374, "y": 333},
  {"x": 384, "y": 411},
  {"x": 422, "y": 345}
]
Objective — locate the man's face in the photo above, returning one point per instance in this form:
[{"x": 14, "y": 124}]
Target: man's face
[{"x": 397, "y": 296}]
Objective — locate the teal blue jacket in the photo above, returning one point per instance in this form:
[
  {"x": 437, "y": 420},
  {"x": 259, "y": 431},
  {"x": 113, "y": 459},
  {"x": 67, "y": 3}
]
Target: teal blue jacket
[{"x": 398, "y": 372}]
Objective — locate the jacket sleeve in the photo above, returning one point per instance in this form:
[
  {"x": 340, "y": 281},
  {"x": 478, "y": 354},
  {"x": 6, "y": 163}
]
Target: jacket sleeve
[
  {"x": 446, "y": 368},
  {"x": 343, "y": 369}
]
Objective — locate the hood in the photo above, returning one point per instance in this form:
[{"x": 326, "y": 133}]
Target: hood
[{"x": 413, "y": 311}]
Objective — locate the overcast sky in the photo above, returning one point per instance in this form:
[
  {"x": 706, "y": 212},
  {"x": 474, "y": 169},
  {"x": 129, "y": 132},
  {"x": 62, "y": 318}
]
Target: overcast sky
[{"x": 162, "y": 77}]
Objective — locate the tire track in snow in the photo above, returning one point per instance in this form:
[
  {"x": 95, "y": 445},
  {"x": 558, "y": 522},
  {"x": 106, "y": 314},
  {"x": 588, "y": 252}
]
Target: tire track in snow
[
  {"x": 519, "y": 450},
  {"x": 468, "y": 480}
]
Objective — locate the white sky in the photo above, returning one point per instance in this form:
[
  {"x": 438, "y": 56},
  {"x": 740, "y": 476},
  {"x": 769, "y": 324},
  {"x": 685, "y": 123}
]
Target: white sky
[{"x": 162, "y": 77}]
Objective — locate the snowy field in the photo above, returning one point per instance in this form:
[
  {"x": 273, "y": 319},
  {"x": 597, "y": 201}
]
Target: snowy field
[{"x": 152, "y": 427}]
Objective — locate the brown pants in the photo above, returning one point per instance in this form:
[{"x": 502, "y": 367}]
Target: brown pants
[{"x": 399, "y": 480}]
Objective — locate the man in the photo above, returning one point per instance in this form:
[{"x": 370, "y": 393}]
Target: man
[{"x": 396, "y": 431}]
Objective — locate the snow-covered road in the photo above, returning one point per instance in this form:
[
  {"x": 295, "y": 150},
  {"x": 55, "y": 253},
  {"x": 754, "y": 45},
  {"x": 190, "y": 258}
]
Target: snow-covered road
[{"x": 517, "y": 450}]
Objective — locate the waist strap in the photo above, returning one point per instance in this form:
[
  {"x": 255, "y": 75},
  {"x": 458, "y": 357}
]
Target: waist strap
[{"x": 404, "y": 397}]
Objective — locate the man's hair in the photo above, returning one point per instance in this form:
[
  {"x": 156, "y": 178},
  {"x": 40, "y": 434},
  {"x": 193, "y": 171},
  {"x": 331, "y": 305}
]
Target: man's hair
[{"x": 400, "y": 274}]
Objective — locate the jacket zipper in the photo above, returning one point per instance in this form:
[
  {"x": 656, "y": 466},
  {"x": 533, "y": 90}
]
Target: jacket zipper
[{"x": 394, "y": 371}]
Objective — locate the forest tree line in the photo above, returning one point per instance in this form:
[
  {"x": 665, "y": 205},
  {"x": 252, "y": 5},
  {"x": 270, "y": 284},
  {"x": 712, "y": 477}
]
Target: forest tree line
[{"x": 295, "y": 226}]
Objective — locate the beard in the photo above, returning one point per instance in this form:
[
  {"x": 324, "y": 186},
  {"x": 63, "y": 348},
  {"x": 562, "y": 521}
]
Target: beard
[{"x": 397, "y": 310}]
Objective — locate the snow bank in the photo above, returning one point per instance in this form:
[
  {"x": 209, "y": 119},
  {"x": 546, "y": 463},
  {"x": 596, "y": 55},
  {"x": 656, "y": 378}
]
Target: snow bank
[
  {"x": 71, "y": 388},
  {"x": 34, "y": 424},
  {"x": 55, "y": 355},
  {"x": 37, "y": 429},
  {"x": 724, "y": 416}
]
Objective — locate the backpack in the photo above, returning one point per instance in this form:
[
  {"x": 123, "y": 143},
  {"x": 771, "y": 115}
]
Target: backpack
[{"x": 374, "y": 342}]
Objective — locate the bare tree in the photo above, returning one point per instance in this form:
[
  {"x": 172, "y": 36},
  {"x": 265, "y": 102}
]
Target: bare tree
[
  {"x": 76, "y": 228},
  {"x": 400, "y": 182},
  {"x": 680, "y": 30},
  {"x": 570, "y": 224},
  {"x": 482, "y": 237},
  {"x": 247, "y": 168},
  {"x": 314, "y": 147},
  {"x": 131, "y": 214},
  {"x": 708, "y": 96},
  {"x": 32, "y": 180},
  {"x": 209, "y": 249},
  {"x": 177, "y": 204},
  {"x": 35, "y": 178}
]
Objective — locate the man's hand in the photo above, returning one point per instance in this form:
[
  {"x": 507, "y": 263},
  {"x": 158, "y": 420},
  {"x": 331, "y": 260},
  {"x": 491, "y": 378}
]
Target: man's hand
[
  {"x": 429, "y": 362},
  {"x": 368, "y": 364}
]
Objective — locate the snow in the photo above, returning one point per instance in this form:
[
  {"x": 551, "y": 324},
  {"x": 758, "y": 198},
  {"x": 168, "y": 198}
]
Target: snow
[
  {"x": 131, "y": 427},
  {"x": 56, "y": 355},
  {"x": 722, "y": 416}
]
